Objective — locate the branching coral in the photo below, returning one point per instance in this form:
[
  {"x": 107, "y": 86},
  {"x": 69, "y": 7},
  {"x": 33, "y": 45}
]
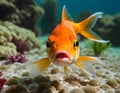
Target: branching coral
[
  {"x": 20, "y": 58},
  {"x": 2, "y": 81}
]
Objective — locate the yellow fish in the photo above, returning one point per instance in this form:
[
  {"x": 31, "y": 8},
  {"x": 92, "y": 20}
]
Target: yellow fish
[{"x": 63, "y": 46}]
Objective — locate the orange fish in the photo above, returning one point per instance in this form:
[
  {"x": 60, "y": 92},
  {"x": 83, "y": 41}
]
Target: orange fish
[{"x": 63, "y": 46}]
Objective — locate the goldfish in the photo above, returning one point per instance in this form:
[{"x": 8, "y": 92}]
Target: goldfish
[{"x": 63, "y": 46}]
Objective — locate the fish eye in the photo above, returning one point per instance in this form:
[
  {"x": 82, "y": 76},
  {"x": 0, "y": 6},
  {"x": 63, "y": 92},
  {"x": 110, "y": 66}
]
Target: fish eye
[
  {"x": 47, "y": 44},
  {"x": 76, "y": 43}
]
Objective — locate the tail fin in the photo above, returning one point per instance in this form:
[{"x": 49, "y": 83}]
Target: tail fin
[
  {"x": 85, "y": 27},
  {"x": 36, "y": 68}
]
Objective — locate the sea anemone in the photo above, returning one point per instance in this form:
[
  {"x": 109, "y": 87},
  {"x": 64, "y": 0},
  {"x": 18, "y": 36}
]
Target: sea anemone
[
  {"x": 20, "y": 58},
  {"x": 21, "y": 45},
  {"x": 2, "y": 81}
]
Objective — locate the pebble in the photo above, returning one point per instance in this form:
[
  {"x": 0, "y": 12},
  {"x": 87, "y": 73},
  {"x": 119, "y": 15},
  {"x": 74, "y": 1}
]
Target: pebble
[
  {"x": 16, "y": 89},
  {"x": 71, "y": 78},
  {"x": 77, "y": 91},
  {"x": 63, "y": 91},
  {"x": 55, "y": 71},
  {"x": 12, "y": 81},
  {"x": 56, "y": 84},
  {"x": 90, "y": 89},
  {"x": 27, "y": 81},
  {"x": 112, "y": 82},
  {"x": 75, "y": 83},
  {"x": 42, "y": 78},
  {"x": 117, "y": 91},
  {"x": 94, "y": 82},
  {"x": 41, "y": 87}
]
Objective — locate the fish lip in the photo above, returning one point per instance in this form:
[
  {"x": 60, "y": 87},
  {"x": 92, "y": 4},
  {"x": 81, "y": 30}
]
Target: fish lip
[{"x": 59, "y": 53}]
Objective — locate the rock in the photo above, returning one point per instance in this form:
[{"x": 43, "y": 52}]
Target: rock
[
  {"x": 23, "y": 13},
  {"x": 56, "y": 84},
  {"x": 77, "y": 91},
  {"x": 112, "y": 82},
  {"x": 42, "y": 78},
  {"x": 90, "y": 89},
  {"x": 16, "y": 88},
  {"x": 12, "y": 81},
  {"x": 94, "y": 82},
  {"x": 63, "y": 91},
  {"x": 55, "y": 71},
  {"x": 42, "y": 87}
]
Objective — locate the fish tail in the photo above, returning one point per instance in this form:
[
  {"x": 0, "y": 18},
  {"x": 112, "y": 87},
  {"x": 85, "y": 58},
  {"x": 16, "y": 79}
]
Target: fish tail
[
  {"x": 85, "y": 64},
  {"x": 85, "y": 27}
]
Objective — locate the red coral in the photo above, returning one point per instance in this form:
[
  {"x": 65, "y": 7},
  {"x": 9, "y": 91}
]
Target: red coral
[
  {"x": 2, "y": 81},
  {"x": 20, "y": 58},
  {"x": 21, "y": 45}
]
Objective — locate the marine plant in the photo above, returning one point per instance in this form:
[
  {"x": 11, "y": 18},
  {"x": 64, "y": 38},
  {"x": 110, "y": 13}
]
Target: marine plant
[
  {"x": 20, "y": 58},
  {"x": 2, "y": 81},
  {"x": 99, "y": 47},
  {"x": 21, "y": 45}
]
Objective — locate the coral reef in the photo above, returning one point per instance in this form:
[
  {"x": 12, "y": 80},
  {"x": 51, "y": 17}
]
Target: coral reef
[
  {"x": 8, "y": 32},
  {"x": 49, "y": 20},
  {"x": 23, "y": 13},
  {"x": 109, "y": 29},
  {"x": 21, "y": 45}
]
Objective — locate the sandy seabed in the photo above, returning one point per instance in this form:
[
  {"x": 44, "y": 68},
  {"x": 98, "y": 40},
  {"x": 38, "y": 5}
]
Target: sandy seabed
[{"x": 55, "y": 80}]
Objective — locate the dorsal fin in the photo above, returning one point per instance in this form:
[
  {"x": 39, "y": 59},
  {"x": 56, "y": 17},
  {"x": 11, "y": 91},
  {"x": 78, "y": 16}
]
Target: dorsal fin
[{"x": 65, "y": 14}]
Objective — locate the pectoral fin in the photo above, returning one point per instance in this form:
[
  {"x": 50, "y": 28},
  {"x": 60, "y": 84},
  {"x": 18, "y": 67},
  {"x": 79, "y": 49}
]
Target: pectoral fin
[
  {"x": 84, "y": 63},
  {"x": 36, "y": 68}
]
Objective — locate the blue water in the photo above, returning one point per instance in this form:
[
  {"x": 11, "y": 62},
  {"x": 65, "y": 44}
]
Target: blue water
[{"x": 77, "y": 6}]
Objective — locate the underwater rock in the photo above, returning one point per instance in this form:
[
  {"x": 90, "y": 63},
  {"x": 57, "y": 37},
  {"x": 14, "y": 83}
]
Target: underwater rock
[
  {"x": 56, "y": 84},
  {"x": 8, "y": 31},
  {"x": 23, "y": 13},
  {"x": 77, "y": 91},
  {"x": 90, "y": 89},
  {"x": 108, "y": 28},
  {"x": 18, "y": 88},
  {"x": 113, "y": 83},
  {"x": 49, "y": 20},
  {"x": 12, "y": 81}
]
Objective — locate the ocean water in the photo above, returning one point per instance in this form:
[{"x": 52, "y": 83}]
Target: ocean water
[{"x": 77, "y": 6}]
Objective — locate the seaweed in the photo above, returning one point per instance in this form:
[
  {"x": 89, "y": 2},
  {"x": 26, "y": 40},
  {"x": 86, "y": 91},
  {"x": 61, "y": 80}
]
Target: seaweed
[
  {"x": 99, "y": 47},
  {"x": 20, "y": 58},
  {"x": 2, "y": 81}
]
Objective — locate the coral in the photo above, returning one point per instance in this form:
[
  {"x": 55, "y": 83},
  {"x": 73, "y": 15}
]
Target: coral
[
  {"x": 9, "y": 32},
  {"x": 23, "y": 13},
  {"x": 2, "y": 81},
  {"x": 16, "y": 58},
  {"x": 98, "y": 47},
  {"x": 21, "y": 45},
  {"x": 49, "y": 20},
  {"x": 109, "y": 29}
]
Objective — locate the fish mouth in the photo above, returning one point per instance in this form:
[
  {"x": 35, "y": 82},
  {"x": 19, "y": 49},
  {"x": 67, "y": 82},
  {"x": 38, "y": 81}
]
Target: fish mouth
[{"x": 62, "y": 57}]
